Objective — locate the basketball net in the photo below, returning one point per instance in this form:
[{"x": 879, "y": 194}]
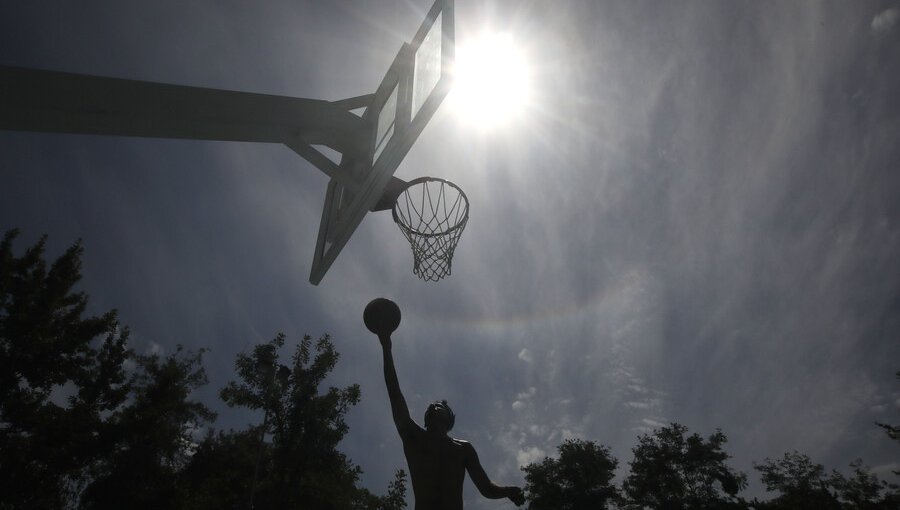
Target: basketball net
[{"x": 432, "y": 214}]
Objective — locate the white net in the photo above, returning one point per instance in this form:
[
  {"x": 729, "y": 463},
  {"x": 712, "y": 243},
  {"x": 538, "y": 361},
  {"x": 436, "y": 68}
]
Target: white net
[{"x": 432, "y": 214}]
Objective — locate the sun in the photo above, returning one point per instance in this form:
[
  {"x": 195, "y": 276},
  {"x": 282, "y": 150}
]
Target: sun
[{"x": 491, "y": 81}]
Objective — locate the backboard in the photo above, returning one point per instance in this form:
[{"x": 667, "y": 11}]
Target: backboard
[{"x": 409, "y": 95}]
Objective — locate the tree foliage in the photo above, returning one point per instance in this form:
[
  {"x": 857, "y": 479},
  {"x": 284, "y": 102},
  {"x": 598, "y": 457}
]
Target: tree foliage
[
  {"x": 60, "y": 374},
  {"x": 306, "y": 469},
  {"x": 153, "y": 435},
  {"x": 580, "y": 478},
  {"x": 863, "y": 490},
  {"x": 87, "y": 423},
  {"x": 396, "y": 495},
  {"x": 673, "y": 470},
  {"x": 299, "y": 465},
  {"x": 219, "y": 474},
  {"x": 802, "y": 484}
]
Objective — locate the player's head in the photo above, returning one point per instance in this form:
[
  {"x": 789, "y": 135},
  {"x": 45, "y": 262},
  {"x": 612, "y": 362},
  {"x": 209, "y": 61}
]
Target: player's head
[{"x": 439, "y": 416}]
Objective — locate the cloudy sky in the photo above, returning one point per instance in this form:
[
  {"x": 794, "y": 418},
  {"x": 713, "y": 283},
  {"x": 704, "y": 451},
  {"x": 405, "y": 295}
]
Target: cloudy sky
[{"x": 693, "y": 216}]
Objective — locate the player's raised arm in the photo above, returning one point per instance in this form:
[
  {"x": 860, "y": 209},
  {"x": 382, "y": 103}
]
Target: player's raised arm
[
  {"x": 382, "y": 316},
  {"x": 399, "y": 409}
]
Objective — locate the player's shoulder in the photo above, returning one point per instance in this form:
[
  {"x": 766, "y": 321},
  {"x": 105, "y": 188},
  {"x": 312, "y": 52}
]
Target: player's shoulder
[{"x": 463, "y": 444}]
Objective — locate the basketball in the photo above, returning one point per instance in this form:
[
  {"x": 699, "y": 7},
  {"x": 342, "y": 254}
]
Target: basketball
[{"x": 382, "y": 316}]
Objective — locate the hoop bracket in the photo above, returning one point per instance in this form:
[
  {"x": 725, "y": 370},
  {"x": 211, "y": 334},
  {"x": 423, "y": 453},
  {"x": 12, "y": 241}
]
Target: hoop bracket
[{"x": 391, "y": 192}]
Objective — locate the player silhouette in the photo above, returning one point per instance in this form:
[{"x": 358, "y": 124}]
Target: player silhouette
[{"x": 437, "y": 462}]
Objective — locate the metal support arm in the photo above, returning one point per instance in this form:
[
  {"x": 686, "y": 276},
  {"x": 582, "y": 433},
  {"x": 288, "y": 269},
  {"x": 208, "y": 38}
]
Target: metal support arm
[{"x": 49, "y": 101}]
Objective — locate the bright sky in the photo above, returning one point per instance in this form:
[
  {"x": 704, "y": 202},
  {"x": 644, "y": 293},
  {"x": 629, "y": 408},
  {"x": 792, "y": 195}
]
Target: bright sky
[
  {"x": 691, "y": 214},
  {"x": 492, "y": 86}
]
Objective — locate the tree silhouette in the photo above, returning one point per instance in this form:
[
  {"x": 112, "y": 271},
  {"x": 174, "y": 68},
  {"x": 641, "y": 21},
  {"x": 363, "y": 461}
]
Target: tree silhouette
[
  {"x": 154, "y": 435},
  {"x": 61, "y": 374},
  {"x": 801, "y": 483},
  {"x": 396, "y": 496},
  {"x": 218, "y": 476},
  {"x": 863, "y": 490},
  {"x": 300, "y": 467},
  {"x": 580, "y": 478},
  {"x": 671, "y": 470}
]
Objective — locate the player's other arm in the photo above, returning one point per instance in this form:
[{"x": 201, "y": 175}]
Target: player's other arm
[
  {"x": 398, "y": 404},
  {"x": 485, "y": 486}
]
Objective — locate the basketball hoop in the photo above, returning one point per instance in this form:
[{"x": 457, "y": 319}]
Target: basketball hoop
[{"x": 432, "y": 214}]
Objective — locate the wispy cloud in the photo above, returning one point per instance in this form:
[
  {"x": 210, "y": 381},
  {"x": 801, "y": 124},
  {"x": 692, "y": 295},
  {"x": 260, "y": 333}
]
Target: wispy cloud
[
  {"x": 525, "y": 355},
  {"x": 885, "y": 20},
  {"x": 530, "y": 454}
]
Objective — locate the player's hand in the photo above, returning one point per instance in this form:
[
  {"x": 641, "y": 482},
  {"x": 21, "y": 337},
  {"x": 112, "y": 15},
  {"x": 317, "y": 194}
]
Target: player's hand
[{"x": 517, "y": 496}]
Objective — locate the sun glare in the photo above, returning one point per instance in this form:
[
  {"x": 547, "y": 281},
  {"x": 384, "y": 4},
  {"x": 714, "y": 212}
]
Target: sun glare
[{"x": 491, "y": 81}]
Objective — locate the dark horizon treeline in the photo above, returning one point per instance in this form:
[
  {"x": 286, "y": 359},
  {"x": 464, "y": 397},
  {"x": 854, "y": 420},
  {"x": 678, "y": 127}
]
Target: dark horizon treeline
[
  {"x": 87, "y": 423},
  {"x": 674, "y": 470}
]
